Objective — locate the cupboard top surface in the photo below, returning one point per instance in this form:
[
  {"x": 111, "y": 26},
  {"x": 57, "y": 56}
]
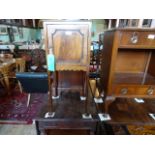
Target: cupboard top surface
[
  {"x": 132, "y": 29},
  {"x": 49, "y": 22}
]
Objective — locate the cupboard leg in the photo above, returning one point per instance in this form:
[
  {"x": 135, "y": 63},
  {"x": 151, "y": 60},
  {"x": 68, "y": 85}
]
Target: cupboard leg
[
  {"x": 56, "y": 83},
  {"x": 86, "y": 93},
  {"x": 107, "y": 101},
  {"x": 50, "y": 102},
  {"x": 7, "y": 83},
  {"x": 83, "y": 83}
]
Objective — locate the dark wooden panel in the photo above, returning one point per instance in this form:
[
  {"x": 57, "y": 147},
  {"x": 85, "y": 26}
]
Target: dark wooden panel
[
  {"x": 67, "y": 131},
  {"x": 71, "y": 44},
  {"x": 106, "y": 60},
  {"x": 68, "y": 46},
  {"x": 151, "y": 68},
  {"x": 131, "y": 61}
]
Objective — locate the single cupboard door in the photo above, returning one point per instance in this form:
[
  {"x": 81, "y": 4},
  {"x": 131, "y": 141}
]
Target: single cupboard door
[{"x": 70, "y": 44}]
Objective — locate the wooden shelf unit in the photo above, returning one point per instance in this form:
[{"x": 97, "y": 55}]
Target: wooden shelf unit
[{"x": 128, "y": 64}]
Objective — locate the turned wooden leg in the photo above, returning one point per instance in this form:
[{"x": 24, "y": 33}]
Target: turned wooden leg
[
  {"x": 83, "y": 84},
  {"x": 20, "y": 87},
  {"x": 7, "y": 84},
  {"x": 50, "y": 103},
  {"x": 107, "y": 101},
  {"x": 86, "y": 92},
  {"x": 28, "y": 100},
  {"x": 56, "y": 83}
]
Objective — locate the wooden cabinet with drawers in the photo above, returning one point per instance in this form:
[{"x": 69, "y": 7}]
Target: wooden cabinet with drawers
[{"x": 128, "y": 64}]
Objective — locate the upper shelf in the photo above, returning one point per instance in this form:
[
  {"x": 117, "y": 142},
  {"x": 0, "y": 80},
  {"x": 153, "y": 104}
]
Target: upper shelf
[{"x": 30, "y": 23}]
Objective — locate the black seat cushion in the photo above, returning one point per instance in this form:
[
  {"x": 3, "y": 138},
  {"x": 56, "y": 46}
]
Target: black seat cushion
[{"x": 33, "y": 82}]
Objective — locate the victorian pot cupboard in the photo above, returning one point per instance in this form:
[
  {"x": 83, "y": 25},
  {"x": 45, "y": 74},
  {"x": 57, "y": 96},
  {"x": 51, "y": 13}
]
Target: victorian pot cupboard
[{"x": 70, "y": 43}]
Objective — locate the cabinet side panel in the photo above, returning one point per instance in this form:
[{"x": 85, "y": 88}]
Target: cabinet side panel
[
  {"x": 151, "y": 69},
  {"x": 106, "y": 59}
]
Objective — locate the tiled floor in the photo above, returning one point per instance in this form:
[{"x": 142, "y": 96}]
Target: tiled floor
[{"x": 6, "y": 129}]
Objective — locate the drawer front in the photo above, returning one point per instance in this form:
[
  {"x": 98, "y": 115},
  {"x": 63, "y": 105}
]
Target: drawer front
[
  {"x": 134, "y": 38},
  {"x": 134, "y": 91}
]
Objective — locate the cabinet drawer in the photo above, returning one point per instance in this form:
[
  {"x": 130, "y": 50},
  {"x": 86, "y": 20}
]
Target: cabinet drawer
[
  {"x": 134, "y": 90},
  {"x": 137, "y": 39}
]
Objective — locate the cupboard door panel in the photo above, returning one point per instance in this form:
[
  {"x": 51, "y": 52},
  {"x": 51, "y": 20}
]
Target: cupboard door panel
[{"x": 70, "y": 45}]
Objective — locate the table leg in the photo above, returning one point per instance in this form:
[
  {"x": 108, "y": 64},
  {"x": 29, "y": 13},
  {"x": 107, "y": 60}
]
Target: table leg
[
  {"x": 50, "y": 102},
  {"x": 7, "y": 84},
  {"x": 86, "y": 92}
]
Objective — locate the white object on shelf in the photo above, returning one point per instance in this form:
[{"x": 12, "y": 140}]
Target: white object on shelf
[
  {"x": 45, "y": 66},
  {"x": 104, "y": 117},
  {"x": 98, "y": 100},
  {"x": 33, "y": 67},
  {"x": 82, "y": 98},
  {"x": 49, "y": 115},
  {"x": 139, "y": 100},
  {"x": 152, "y": 115},
  {"x": 7, "y": 46},
  {"x": 86, "y": 116},
  {"x": 55, "y": 97}
]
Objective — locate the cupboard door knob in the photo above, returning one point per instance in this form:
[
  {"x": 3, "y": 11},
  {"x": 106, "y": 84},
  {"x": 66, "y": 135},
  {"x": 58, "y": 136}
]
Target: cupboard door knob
[
  {"x": 150, "y": 91},
  {"x": 134, "y": 38},
  {"x": 124, "y": 91}
]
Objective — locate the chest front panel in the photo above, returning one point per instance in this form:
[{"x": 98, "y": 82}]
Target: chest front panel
[{"x": 70, "y": 44}]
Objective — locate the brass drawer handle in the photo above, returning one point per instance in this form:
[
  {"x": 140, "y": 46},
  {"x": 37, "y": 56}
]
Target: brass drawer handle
[
  {"x": 124, "y": 91},
  {"x": 134, "y": 38},
  {"x": 150, "y": 91}
]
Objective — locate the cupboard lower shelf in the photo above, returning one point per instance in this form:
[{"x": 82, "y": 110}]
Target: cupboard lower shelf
[{"x": 134, "y": 78}]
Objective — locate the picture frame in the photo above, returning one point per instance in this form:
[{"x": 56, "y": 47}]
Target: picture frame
[
  {"x": 15, "y": 30},
  {"x": 3, "y": 30},
  {"x": 134, "y": 22},
  {"x": 146, "y": 22},
  {"x": 20, "y": 32}
]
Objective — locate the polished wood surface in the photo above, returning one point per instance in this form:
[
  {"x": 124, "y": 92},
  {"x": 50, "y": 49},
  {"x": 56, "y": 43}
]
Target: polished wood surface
[
  {"x": 127, "y": 111},
  {"x": 66, "y": 126},
  {"x": 68, "y": 81},
  {"x": 8, "y": 68},
  {"x": 68, "y": 117},
  {"x": 70, "y": 42},
  {"x": 127, "y": 64},
  {"x": 142, "y": 36}
]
